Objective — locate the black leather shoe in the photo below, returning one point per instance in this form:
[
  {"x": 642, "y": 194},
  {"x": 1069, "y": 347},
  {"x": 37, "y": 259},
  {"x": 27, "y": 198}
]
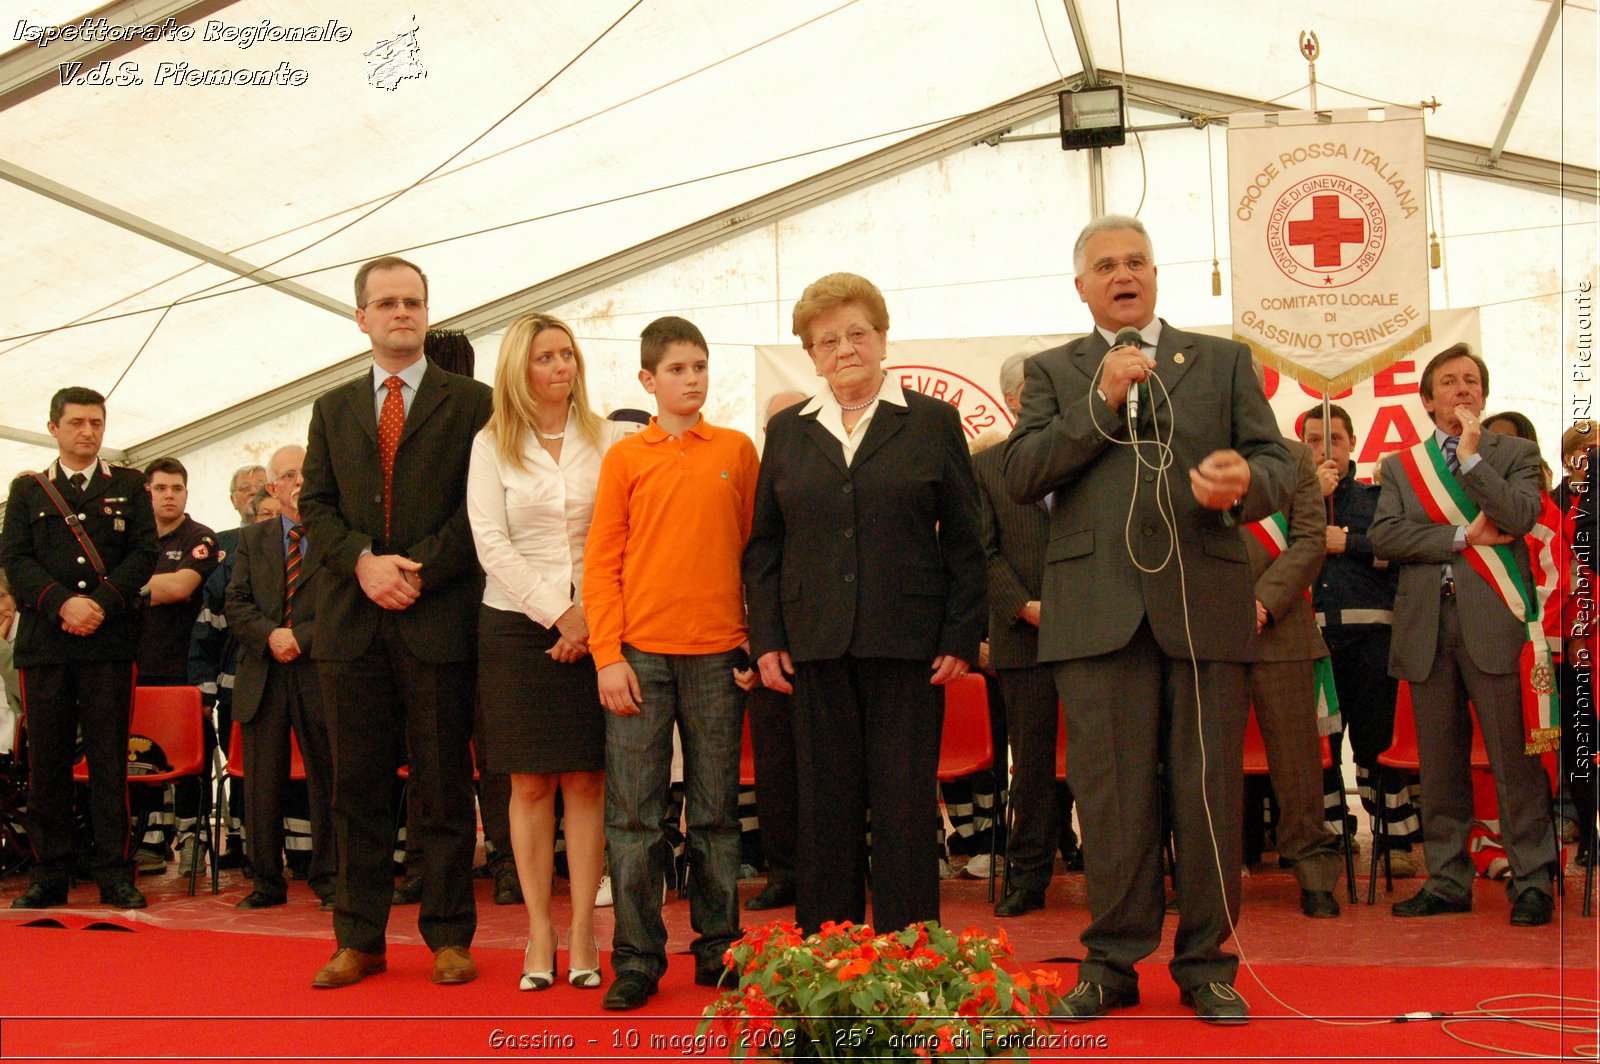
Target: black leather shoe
[
  {"x": 408, "y": 892},
  {"x": 1090, "y": 1001},
  {"x": 507, "y": 888},
  {"x": 1532, "y": 909},
  {"x": 772, "y": 896},
  {"x": 1019, "y": 901},
  {"x": 257, "y": 899},
  {"x": 1319, "y": 904},
  {"x": 630, "y": 990},
  {"x": 1426, "y": 903},
  {"x": 41, "y": 896},
  {"x": 1073, "y": 862},
  {"x": 122, "y": 896},
  {"x": 716, "y": 975},
  {"x": 1217, "y": 1003}
]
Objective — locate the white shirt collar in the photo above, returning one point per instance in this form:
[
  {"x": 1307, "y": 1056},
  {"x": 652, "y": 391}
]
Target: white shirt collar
[
  {"x": 411, "y": 375},
  {"x": 890, "y": 392},
  {"x": 1151, "y": 334}
]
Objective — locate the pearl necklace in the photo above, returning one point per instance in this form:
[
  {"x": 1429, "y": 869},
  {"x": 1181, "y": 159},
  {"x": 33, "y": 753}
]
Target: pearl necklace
[
  {"x": 550, "y": 435},
  {"x": 858, "y": 406}
]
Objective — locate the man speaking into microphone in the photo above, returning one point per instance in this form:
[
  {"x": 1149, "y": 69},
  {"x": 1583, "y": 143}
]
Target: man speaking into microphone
[{"x": 1147, "y": 603}]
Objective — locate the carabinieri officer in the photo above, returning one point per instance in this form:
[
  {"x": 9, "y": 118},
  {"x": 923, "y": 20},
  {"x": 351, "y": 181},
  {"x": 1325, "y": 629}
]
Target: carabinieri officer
[{"x": 79, "y": 543}]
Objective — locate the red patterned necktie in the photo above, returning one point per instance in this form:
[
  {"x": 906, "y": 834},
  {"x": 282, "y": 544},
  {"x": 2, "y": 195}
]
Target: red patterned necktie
[
  {"x": 291, "y": 574},
  {"x": 390, "y": 424}
]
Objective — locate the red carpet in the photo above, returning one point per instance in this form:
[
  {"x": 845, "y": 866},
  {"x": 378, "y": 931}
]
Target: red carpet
[{"x": 76, "y": 993}]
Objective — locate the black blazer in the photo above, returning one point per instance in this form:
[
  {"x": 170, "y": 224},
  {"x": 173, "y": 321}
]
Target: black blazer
[
  {"x": 254, "y": 607},
  {"x": 1014, "y": 538},
  {"x": 879, "y": 559},
  {"x": 342, "y": 508},
  {"x": 45, "y": 565}
]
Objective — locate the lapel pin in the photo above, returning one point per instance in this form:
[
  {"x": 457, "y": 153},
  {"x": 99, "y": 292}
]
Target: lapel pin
[{"x": 1178, "y": 358}]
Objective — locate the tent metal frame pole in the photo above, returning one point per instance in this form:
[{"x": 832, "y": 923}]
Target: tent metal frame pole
[{"x": 1535, "y": 57}]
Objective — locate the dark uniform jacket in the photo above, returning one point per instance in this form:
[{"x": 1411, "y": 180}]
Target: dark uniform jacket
[
  {"x": 46, "y": 565},
  {"x": 1355, "y": 589}
]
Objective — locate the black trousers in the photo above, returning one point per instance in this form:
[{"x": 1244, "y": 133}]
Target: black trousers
[
  {"x": 867, "y": 735},
  {"x": 772, "y": 742},
  {"x": 287, "y": 704},
  {"x": 59, "y": 699},
  {"x": 1578, "y": 744},
  {"x": 1032, "y": 717},
  {"x": 386, "y": 692}
]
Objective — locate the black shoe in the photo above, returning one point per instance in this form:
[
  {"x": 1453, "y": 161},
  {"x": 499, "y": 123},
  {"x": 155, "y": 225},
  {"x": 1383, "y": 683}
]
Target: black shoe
[
  {"x": 507, "y": 888},
  {"x": 772, "y": 896},
  {"x": 1073, "y": 862},
  {"x": 41, "y": 896},
  {"x": 408, "y": 891},
  {"x": 122, "y": 896},
  {"x": 1217, "y": 1003},
  {"x": 1090, "y": 1001},
  {"x": 326, "y": 904},
  {"x": 1585, "y": 855},
  {"x": 630, "y": 990},
  {"x": 716, "y": 975},
  {"x": 1319, "y": 904},
  {"x": 1426, "y": 903},
  {"x": 1532, "y": 909},
  {"x": 258, "y": 899},
  {"x": 1019, "y": 901},
  {"x": 233, "y": 857}
]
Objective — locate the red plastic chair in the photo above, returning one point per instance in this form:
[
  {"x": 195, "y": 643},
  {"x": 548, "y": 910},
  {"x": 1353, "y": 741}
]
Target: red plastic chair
[
  {"x": 173, "y": 717},
  {"x": 747, "y": 757},
  {"x": 967, "y": 745},
  {"x": 1255, "y": 764}
]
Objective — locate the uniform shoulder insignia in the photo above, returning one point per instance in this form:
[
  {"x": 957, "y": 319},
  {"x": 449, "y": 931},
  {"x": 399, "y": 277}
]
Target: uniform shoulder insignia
[{"x": 202, "y": 550}]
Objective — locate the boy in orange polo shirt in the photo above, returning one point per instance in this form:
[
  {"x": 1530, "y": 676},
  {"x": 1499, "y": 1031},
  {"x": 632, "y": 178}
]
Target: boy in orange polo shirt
[{"x": 665, "y": 606}]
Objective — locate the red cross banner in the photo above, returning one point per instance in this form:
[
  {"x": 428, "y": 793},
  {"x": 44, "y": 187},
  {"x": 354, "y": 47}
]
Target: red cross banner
[{"x": 1328, "y": 236}]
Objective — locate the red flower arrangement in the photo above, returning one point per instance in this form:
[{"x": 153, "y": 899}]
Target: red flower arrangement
[{"x": 847, "y": 992}]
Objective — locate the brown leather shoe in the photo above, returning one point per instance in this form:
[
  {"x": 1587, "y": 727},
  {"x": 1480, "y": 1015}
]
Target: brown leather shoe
[
  {"x": 347, "y": 967},
  {"x": 453, "y": 964}
]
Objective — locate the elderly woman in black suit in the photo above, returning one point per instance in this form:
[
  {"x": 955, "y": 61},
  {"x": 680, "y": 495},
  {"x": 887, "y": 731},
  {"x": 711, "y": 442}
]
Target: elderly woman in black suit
[{"x": 865, "y": 578}]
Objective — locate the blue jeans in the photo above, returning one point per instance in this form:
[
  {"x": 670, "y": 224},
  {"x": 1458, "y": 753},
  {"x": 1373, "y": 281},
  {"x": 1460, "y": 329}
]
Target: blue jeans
[{"x": 697, "y": 693}]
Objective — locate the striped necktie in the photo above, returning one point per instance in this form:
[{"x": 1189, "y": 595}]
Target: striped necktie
[
  {"x": 1449, "y": 449},
  {"x": 291, "y": 574}
]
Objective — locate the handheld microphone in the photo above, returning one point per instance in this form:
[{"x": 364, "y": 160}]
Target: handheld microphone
[{"x": 1131, "y": 337}]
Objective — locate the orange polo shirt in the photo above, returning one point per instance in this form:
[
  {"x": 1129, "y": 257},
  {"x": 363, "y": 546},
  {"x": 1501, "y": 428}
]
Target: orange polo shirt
[{"x": 671, "y": 517}]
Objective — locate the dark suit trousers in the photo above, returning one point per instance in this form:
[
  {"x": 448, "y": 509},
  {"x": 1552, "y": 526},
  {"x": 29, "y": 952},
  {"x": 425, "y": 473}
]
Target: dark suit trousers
[
  {"x": 1124, "y": 713},
  {"x": 772, "y": 742},
  {"x": 387, "y": 692},
  {"x": 1284, "y": 695},
  {"x": 284, "y": 705},
  {"x": 98, "y": 696},
  {"x": 1444, "y": 746},
  {"x": 867, "y": 735},
  {"x": 1032, "y": 719}
]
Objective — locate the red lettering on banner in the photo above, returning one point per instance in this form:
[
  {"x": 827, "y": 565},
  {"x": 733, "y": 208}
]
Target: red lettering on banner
[
  {"x": 1391, "y": 431},
  {"x": 1269, "y": 380},
  {"x": 1384, "y": 383},
  {"x": 1347, "y": 393}
]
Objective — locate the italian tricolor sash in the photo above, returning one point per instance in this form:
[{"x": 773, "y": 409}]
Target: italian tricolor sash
[
  {"x": 1446, "y": 502},
  {"x": 1273, "y": 534}
]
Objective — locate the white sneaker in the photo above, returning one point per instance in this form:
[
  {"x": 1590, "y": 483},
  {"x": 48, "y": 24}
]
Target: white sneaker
[
  {"x": 602, "y": 897},
  {"x": 945, "y": 871},
  {"x": 977, "y": 867},
  {"x": 186, "y": 859}
]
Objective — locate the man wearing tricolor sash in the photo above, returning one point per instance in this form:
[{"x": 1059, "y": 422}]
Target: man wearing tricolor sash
[
  {"x": 1291, "y": 683},
  {"x": 1452, "y": 515}
]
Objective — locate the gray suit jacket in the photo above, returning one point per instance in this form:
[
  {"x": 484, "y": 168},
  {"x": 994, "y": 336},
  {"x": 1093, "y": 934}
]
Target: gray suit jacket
[
  {"x": 1014, "y": 536},
  {"x": 1281, "y": 583},
  {"x": 255, "y": 607},
  {"x": 1094, "y": 595},
  {"x": 1505, "y": 485}
]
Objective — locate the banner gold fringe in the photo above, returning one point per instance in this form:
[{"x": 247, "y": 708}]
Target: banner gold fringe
[{"x": 1355, "y": 375}]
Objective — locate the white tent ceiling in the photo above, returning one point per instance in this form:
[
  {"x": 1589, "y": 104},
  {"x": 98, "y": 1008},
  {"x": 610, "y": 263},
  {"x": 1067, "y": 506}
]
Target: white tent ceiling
[{"x": 658, "y": 129}]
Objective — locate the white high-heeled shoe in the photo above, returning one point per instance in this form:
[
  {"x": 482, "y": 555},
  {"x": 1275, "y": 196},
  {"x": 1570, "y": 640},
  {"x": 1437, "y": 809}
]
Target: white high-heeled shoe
[
  {"x": 584, "y": 978},
  {"x": 536, "y": 979}
]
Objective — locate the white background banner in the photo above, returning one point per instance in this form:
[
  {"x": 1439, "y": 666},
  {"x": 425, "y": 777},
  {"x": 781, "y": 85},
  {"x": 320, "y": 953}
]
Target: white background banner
[{"x": 1328, "y": 235}]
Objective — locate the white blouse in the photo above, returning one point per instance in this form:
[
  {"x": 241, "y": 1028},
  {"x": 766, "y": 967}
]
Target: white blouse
[{"x": 529, "y": 525}]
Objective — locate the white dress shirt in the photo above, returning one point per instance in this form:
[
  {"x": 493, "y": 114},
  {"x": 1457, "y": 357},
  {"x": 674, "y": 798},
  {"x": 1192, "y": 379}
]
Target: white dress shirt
[
  {"x": 530, "y": 524},
  {"x": 831, "y": 417}
]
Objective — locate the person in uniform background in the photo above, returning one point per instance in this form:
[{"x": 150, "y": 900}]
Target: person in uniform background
[
  {"x": 77, "y": 584},
  {"x": 186, "y": 554}
]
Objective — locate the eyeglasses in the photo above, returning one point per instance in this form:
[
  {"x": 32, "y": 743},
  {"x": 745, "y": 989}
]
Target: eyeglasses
[
  {"x": 1107, "y": 267},
  {"x": 829, "y": 345},
  {"x": 289, "y": 474},
  {"x": 389, "y": 306}
]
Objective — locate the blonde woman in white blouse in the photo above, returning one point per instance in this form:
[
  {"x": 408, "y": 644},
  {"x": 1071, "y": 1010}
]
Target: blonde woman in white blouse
[{"x": 530, "y": 497}]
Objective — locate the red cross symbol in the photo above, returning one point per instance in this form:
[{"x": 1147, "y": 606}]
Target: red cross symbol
[{"x": 1326, "y": 231}]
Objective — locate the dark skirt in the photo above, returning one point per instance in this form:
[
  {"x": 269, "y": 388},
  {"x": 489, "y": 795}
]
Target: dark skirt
[{"x": 539, "y": 715}]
